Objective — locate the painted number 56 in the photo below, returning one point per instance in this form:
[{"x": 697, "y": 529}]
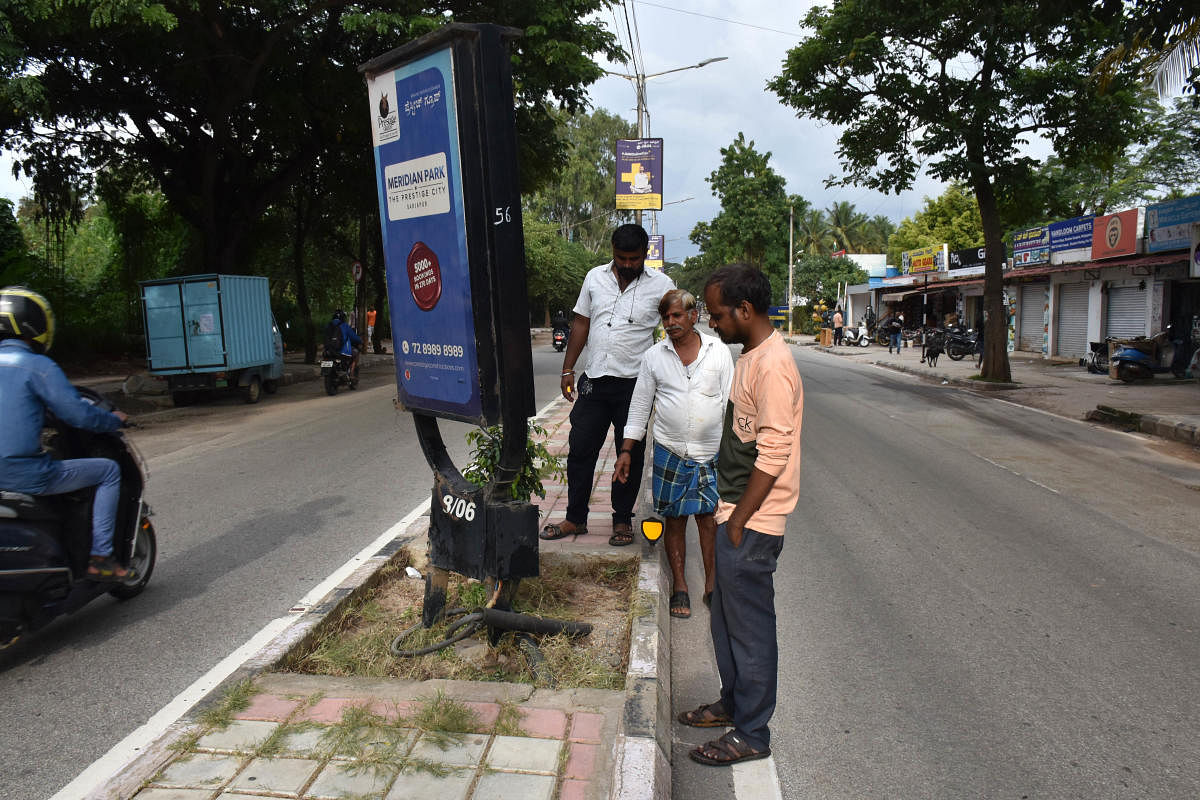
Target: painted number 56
[
  {"x": 458, "y": 508},
  {"x": 503, "y": 215}
]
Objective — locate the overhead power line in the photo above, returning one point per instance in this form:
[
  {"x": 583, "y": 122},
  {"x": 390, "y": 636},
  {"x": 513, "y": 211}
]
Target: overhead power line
[{"x": 793, "y": 34}]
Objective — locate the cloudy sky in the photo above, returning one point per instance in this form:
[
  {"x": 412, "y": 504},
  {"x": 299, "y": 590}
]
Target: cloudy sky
[{"x": 699, "y": 111}]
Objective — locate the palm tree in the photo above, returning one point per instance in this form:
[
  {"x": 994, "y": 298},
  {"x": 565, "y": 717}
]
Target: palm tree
[
  {"x": 876, "y": 232},
  {"x": 846, "y": 226},
  {"x": 812, "y": 233},
  {"x": 1180, "y": 56}
]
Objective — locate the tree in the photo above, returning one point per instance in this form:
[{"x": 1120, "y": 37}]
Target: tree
[
  {"x": 228, "y": 105},
  {"x": 581, "y": 198},
  {"x": 957, "y": 87},
  {"x": 554, "y": 268},
  {"x": 812, "y": 233},
  {"x": 847, "y": 226},
  {"x": 951, "y": 218},
  {"x": 16, "y": 262},
  {"x": 752, "y": 227}
]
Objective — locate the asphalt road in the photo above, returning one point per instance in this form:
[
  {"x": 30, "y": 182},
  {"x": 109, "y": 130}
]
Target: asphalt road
[
  {"x": 254, "y": 505},
  {"x": 974, "y": 600}
]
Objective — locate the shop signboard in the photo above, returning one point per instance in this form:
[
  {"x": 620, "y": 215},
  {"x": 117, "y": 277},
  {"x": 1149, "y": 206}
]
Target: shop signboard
[
  {"x": 925, "y": 260},
  {"x": 1117, "y": 234},
  {"x": 1031, "y": 247},
  {"x": 964, "y": 263},
  {"x": 639, "y": 174},
  {"x": 1169, "y": 225},
  {"x": 1071, "y": 240},
  {"x": 654, "y": 252}
]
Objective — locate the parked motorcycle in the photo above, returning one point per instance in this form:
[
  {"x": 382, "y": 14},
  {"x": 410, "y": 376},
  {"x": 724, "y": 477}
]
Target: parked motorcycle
[
  {"x": 1141, "y": 358},
  {"x": 336, "y": 371},
  {"x": 560, "y": 339},
  {"x": 856, "y": 336},
  {"x": 960, "y": 342},
  {"x": 45, "y": 541}
]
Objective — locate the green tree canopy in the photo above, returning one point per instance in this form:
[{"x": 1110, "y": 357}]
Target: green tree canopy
[
  {"x": 817, "y": 276},
  {"x": 951, "y": 218},
  {"x": 957, "y": 87}
]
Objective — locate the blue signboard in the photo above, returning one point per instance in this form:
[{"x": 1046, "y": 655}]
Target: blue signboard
[
  {"x": 1030, "y": 247},
  {"x": 640, "y": 174},
  {"x": 1169, "y": 225},
  {"x": 1071, "y": 234},
  {"x": 419, "y": 176}
]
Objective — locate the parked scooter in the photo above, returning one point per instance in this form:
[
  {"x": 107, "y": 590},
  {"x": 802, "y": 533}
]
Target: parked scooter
[
  {"x": 560, "y": 339},
  {"x": 856, "y": 336},
  {"x": 45, "y": 540},
  {"x": 1096, "y": 360},
  {"x": 960, "y": 342},
  {"x": 336, "y": 371},
  {"x": 1142, "y": 358}
]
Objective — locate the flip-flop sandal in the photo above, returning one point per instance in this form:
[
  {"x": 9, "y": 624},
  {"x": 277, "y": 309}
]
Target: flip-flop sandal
[
  {"x": 706, "y": 717},
  {"x": 554, "y": 531},
  {"x": 681, "y": 605},
  {"x": 103, "y": 569},
  {"x": 729, "y": 749},
  {"x": 622, "y": 535}
]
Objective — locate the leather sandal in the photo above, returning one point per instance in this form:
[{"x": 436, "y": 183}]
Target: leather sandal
[
  {"x": 729, "y": 749},
  {"x": 709, "y": 715},
  {"x": 555, "y": 531}
]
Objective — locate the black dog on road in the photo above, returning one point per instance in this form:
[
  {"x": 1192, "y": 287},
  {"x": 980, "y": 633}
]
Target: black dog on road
[{"x": 935, "y": 345}]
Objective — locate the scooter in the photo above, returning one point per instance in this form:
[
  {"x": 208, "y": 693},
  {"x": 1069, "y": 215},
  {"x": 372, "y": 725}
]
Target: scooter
[
  {"x": 560, "y": 339},
  {"x": 1143, "y": 358},
  {"x": 336, "y": 371},
  {"x": 1096, "y": 360},
  {"x": 45, "y": 540},
  {"x": 856, "y": 336}
]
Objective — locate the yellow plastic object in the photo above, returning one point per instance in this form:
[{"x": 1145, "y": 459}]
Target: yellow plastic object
[{"x": 652, "y": 529}]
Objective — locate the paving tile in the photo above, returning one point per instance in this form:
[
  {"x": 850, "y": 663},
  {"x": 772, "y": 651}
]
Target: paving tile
[
  {"x": 304, "y": 742},
  {"x": 581, "y": 763},
  {"x": 173, "y": 794},
  {"x": 340, "y": 780},
  {"x": 574, "y": 790},
  {"x": 543, "y": 722},
  {"x": 586, "y": 727},
  {"x": 241, "y": 734},
  {"x": 464, "y": 754},
  {"x": 327, "y": 710},
  {"x": 276, "y": 775},
  {"x": 487, "y": 713},
  {"x": 424, "y": 785},
  {"x": 514, "y": 786},
  {"x": 199, "y": 770},
  {"x": 523, "y": 753},
  {"x": 269, "y": 707}
]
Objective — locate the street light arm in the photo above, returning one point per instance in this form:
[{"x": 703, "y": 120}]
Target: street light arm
[{"x": 703, "y": 63}]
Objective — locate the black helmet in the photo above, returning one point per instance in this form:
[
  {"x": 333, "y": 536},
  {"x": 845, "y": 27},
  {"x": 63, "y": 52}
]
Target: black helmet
[
  {"x": 339, "y": 315},
  {"x": 25, "y": 314}
]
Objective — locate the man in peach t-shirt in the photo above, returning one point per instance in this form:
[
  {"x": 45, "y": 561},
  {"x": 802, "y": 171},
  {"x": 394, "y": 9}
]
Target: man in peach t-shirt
[{"x": 758, "y": 480}]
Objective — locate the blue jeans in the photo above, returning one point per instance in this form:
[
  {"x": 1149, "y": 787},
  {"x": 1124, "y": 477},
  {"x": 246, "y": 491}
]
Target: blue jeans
[
  {"x": 105, "y": 475},
  {"x": 743, "y": 631},
  {"x": 895, "y": 341}
]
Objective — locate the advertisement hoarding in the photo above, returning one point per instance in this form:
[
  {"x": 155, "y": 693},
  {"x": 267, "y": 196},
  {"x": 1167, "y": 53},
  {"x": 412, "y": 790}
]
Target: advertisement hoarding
[
  {"x": 1194, "y": 261},
  {"x": 417, "y": 159},
  {"x": 969, "y": 261},
  {"x": 1031, "y": 247},
  {"x": 1117, "y": 234},
  {"x": 1071, "y": 240},
  {"x": 924, "y": 260},
  {"x": 639, "y": 174},
  {"x": 1169, "y": 225},
  {"x": 654, "y": 252}
]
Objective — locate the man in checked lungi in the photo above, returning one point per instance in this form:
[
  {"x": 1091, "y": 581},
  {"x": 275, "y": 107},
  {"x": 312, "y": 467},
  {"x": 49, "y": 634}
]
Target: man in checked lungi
[{"x": 685, "y": 378}]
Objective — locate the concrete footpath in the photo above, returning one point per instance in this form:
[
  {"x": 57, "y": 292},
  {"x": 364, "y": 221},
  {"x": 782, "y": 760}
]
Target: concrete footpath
[
  {"x": 1164, "y": 407},
  {"x": 319, "y": 738}
]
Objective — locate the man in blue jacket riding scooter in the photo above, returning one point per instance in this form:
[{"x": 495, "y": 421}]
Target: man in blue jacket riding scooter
[{"x": 30, "y": 383}]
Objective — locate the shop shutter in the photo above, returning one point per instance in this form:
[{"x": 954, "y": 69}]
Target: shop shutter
[
  {"x": 1072, "y": 312},
  {"x": 1125, "y": 316},
  {"x": 1033, "y": 317}
]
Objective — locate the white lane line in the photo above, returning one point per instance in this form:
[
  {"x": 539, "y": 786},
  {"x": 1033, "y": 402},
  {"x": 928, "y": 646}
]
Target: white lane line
[
  {"x": 125, "y": 751},
  {"x": 1019, "y": 475},
  {"x": 757, "y": 780}
]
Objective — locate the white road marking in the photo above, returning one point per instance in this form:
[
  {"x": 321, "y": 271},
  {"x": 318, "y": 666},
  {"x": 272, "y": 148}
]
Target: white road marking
[
  {"x": 757, "y": 780},
  {"x": 124, "y": 752}
]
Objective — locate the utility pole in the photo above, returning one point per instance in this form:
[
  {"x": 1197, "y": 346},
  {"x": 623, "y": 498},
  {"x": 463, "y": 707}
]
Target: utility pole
[
  {"x": 639, "y": 82},
  {"x": 791, "y": 260}
]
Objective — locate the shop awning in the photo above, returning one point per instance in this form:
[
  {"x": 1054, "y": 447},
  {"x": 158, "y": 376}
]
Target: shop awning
[
  {"x": 931, "y": 288},
  {"x": 1127, "y": 261}
]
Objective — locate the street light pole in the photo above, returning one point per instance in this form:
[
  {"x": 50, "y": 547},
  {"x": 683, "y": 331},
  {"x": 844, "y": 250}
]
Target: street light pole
[{"x": 639, "y": 82}]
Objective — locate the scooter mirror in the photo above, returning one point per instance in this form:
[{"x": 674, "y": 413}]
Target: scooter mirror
[{"x": 652, "y": 529}]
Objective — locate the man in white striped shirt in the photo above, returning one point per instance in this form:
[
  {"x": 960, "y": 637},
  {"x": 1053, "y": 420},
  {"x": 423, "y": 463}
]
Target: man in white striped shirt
[{"x": 685, "y": 379}]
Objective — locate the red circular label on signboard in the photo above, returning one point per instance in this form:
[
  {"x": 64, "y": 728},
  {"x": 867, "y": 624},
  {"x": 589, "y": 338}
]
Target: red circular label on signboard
[{"x": 424, "y": 276}]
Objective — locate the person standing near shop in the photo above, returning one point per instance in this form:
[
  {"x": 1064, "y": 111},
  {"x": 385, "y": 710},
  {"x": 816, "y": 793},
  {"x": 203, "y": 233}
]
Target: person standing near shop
[
  {"x": 615, "y": 318},
  {"x": 758, "y": 479},
  {"x": 371, "y": 314},
  {"x": 838, "y": 330}
]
